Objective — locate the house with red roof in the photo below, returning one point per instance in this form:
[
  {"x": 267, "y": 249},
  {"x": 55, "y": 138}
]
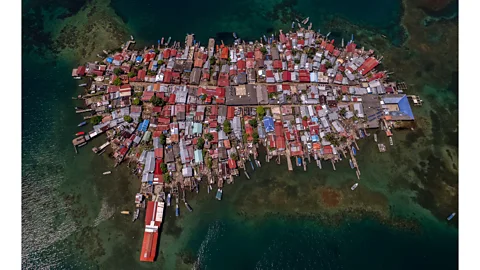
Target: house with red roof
[{"x": 368, "y": 65}]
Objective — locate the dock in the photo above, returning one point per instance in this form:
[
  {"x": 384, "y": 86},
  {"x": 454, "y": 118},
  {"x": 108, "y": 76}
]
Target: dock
[{"x": 83, "y": 111}]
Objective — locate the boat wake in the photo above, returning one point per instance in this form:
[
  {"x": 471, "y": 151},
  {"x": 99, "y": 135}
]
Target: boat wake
[
  {"x": 213, "y": 232},
  {"x": 105, "y": 213}
]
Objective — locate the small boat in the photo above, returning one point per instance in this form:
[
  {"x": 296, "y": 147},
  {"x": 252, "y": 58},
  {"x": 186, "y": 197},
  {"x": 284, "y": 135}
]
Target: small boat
[
  {"x": 169, "y": 199},
  {"x": 219, "y": 194},
  {"x": 136, "y": 214},
  {"x": 306, "y": 20},
  {"x": 107, "y": 172},
  {"x": 451, "y": 216},
  {"x": 258, "y": 163},
  {"x": 209, "y": 188},
  {"x": 251, "y": 164},
  {"x": 235, "y": 35},
  {"x": 125, "y": 212},
  {"x": 105, "y": 52},
  {"x": 246, "y": 174},
  {"x": 79, "y": 108},
  {"x": 293, "y": 25},
  {"x": 310, "y": 26},
  {"x": 375, "y": 137},
  {"x": 384, "y": 36},
  {"x": 77, "y": 78},
  {"x": 391, "y": 140},
  {"x": 177, "y": 210},
  {"x": 83, "y": 84},
  {"x": 328, "y": 34},
  {"x": 265, "y": 38},
  {"x": 354, "y": 150},
  {"x": 351, "y": 164},
  {"x": 351, "y": 40},
  {"x": 131, "y": 37},
  {"x": 168, "y": 40},
  {"x": 79, "y": 133},
  {"x": 161, "y": 41},
  {"x": 354, "y": 186},
  {"x": 188, "y": 207},
  {"x": 299, "y": 25},
  {"x": 196, "y": 187},
  {"x": 342, "y": 43},
  {"x": 82, "y": 123}
]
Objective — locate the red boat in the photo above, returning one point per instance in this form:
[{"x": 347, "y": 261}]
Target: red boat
[
  {"x": 153, "y": 220},
  {"x": 80, "y": 133}
]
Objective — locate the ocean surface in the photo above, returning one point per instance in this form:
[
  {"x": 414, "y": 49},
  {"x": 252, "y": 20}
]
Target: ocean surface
[{"x": 395, "y": 219}]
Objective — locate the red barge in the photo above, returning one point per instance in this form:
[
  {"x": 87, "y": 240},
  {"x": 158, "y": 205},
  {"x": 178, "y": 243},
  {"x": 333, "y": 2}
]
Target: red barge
[{"x": 153, "y": 221}]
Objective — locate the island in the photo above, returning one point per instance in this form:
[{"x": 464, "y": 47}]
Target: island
[{"x": 201, "y": 114}]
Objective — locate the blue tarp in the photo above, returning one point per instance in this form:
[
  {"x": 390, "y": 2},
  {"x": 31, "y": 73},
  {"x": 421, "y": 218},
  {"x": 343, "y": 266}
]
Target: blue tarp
[
  {"x": 109, "y": 59},
  {"x": 268, "y": 123},
  {"x": 404, "y": 106},
  {"x": 143, "y": 126},
  {"x": 315, "y": 138},
  {"x": 139, "y": 58}
]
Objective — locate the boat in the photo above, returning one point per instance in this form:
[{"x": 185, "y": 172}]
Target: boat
[
  {"x": 306, "y": 20},
  {"x": 251, "y": 164},
  {"x": 161, "y": 41},
  {"x": 328, "y": 34},
  {"x": 125, "y": 212},
  {"x": 351, "y": 164},
  {"x": 246, "y": 174},
  {"x": 293, "y": 25},
  {"x": 82, "y": 123},
  {"x": 375, "y": 137},
  {"x": 265, "y": 38},
  {"x": 83, "y": 84},
  {"x": 77, "y": 78},
  {"x": 169, "y": 199},
  {"x": 451, "y": 216},
  {"x": 354, "y": 186},
  {"x": 299, "y": 161},
  {"x": 354, "y": 150},
  {"x": 209, "y": 187},
  {"x": 258, "y": 163},
  {"x": 79, "y": 133},
  {"x": 177, "y": 210},
  {"x": 168, "y": 40},
  {"x": 107, "y": 172},
  {"x": 235, "y": 35},
  {"x": 188, "y": 207},
  {"x": 196, "y": 187},
  {"x": 136, "y": 214},
  {"x": 219, "y": 194},
  {"x": 131, "y": 37},
  {"x": 310, "y": 26},
  {"x": 342, "y": 43},
  {"x": 391, "y": 140},
  {"x": 299, "y": 25}
]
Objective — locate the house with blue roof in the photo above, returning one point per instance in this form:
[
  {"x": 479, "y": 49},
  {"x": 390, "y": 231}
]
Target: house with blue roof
[
  {"x": 143, "y": 126},
  {"x": 398, "y": 107}
]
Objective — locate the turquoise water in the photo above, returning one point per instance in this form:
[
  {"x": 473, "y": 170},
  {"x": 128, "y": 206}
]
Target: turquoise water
[{"x": 276, "y": 220}]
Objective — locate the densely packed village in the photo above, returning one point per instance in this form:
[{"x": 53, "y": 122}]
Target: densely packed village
[{"x": 177, "y": 115}]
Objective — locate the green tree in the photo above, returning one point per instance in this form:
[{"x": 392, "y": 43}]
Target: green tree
[
  {"x": 255, "y": 137},
  {"x": 234, "y": 156},
  {"x": 163, "y": 167},
  {"x": 343, "y": 111},
  {"x": 127, "y": 118},
  {"x": 138, "y": 94},
  {"x": 305, "y": 118},
  {"x": 117, "y": 82},
  {"x": 296, "y": 61},
  {"x": 96, "y": 119},
  {"x": 227, "y": 126},
  {"x": 253, "y": 122},
  {"x": 261, "y": 111},
  {"x": 209, "y": 162},
  {"x": 162, "y": 139},
  {"x": 156, "y": 101},
  {"x": 200, "y": 143},
  {"x": 263, "y": 50},
  {"x": 209, "y": 137},
  {"x": 136, "y": 101},
  {"x": 132, "y": 74},
  {"x": 203, "y": 97},
  {"x": 118, "y": 71},
  {"x": 160, "y": 62},
  {"x": 328, "y": 65},
  {"x": 213, "y": 60},
  {"x": 166, "y": 178}
]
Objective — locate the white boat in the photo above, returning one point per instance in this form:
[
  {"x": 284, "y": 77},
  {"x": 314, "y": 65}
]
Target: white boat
[
  {"x": 131, "y": 37},
  {"x": 169, "y": 199},
  {"x": 107, "y": 172},
  {"x": 83, "y": 84},
  {"x": 77, "y": 78},
  {"x": 375, "y": 137},
  {"x": 306, "y": 20},
  {"x": 328, "y": 34},
  {"x": 354, "y": 186},
  {"x": 391, "y": 140}
]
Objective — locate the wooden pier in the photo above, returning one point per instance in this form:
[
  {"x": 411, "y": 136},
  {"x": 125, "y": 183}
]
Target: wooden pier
[
  {"x": 83, "y": 111},
  {"x": 289, "y": 160}
]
